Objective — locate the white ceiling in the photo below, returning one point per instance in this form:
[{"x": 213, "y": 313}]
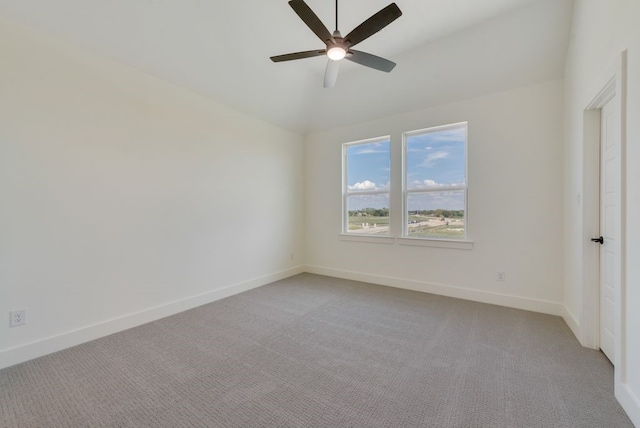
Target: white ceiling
[{"x": 445, "y": 50}]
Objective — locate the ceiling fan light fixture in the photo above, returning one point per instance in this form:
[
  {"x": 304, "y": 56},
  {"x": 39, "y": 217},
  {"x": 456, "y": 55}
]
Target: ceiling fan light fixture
[{"x": 336, "y": 53}]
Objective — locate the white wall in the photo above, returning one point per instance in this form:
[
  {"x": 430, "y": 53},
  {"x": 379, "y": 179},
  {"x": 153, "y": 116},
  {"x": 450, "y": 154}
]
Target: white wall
[
  {"x": 473, "y": 62},
  {"x": 121, "y": 194},
  {"x": 515, "y": 203},
  {"x": 601, "y": 31}
]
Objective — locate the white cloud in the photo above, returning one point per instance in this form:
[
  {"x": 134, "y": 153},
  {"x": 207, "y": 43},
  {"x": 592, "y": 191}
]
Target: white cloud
[
  {"x": 425, "y": 184},
  {"x": 431, "y": 158},
  {"x": 365, "y": 185},
  {"x": 430, "y": 184},
  {"x": 369, "y": 185}
]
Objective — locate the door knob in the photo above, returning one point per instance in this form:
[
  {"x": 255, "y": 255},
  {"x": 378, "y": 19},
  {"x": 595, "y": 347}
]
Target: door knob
[{"x": 600, "y": 240}]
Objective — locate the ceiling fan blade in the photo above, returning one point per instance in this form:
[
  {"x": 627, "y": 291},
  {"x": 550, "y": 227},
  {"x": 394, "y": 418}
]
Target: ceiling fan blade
[
  {"x": 371, "y": 61},
  {"x": 311, "y": 19},
  {"x": 372, "y": 25},
  {"x": 297, "y": 55},
  {"x": 331, "y": 73}
]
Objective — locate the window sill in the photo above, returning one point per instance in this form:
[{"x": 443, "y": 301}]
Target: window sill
[
  {"x": 366, "y": 238},
  {"x": 415, "y": 242},
  {"x": 437, "y": 243}
]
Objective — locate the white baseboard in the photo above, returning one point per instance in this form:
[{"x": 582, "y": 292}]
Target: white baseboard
[
  {"x": 524, "y": 303},
  {"x": 29, "y": 351},
  {"x": 630, "y": 402},
  {"x": 571, "y": 321}
]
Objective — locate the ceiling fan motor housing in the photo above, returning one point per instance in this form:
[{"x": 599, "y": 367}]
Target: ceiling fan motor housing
[{"x": 336, "y": 49}]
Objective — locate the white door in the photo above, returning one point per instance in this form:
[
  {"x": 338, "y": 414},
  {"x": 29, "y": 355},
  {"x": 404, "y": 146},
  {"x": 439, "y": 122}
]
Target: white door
[{"x": 609, "y": 207}]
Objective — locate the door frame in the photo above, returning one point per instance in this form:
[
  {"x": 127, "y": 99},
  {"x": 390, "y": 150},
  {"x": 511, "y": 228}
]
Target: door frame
[{"x": 612, "y": 87}]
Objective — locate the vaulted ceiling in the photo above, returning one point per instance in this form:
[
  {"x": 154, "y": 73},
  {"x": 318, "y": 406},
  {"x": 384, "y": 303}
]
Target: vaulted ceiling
[{"x": 445, "y": 50}]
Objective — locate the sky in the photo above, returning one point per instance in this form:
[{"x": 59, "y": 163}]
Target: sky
[
  {"x": 368, "y": 168},
  {"x": 434, "y": 160}
]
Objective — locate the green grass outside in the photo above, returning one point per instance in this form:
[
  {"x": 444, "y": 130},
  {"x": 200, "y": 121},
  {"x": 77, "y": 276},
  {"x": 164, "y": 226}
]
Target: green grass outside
[
  {"x": 355, "y": 222},
  {"x": 451, "y": 231},
  {"x": 444, "y": 231}
]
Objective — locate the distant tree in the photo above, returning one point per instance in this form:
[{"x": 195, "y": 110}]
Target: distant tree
[
  {"x": 384, "y": 212},
  {"x": 438, "y": 213},
  {"x": 373, "y": 212}
]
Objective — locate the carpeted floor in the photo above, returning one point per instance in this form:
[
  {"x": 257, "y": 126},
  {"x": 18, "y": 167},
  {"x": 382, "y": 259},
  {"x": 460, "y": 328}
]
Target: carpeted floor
[{"x": 316, "y": 351}]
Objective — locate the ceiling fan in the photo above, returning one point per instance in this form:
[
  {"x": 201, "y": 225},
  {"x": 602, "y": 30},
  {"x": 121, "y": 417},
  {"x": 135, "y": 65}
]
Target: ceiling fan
[{"x": 338, "y": 47}]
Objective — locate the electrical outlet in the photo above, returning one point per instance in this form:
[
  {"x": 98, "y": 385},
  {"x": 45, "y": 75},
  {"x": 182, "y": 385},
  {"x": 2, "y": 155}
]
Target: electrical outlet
[
  {"x": 500, "y": 276},
  {"x": 17, "y": 318}
]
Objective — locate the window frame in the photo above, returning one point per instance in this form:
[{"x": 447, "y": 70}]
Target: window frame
[
  {"x": 346, "y": 192},
  {"x": 405, "y": 237}
]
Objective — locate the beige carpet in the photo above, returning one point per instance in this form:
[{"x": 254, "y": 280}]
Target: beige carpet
[{"x": 317, "y": 351}]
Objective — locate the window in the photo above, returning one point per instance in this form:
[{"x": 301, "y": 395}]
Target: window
[
  {"x": 434, "y": 182},
  {"x": 365, "y": 189}
]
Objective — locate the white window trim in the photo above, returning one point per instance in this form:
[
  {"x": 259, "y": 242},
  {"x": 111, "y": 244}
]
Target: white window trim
[
  {"x": 350, "y": 236},
  {"x": 405, "y": 239},
  {"x": 459, "y": 244},
  {"x": 373, "y": 239}
]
